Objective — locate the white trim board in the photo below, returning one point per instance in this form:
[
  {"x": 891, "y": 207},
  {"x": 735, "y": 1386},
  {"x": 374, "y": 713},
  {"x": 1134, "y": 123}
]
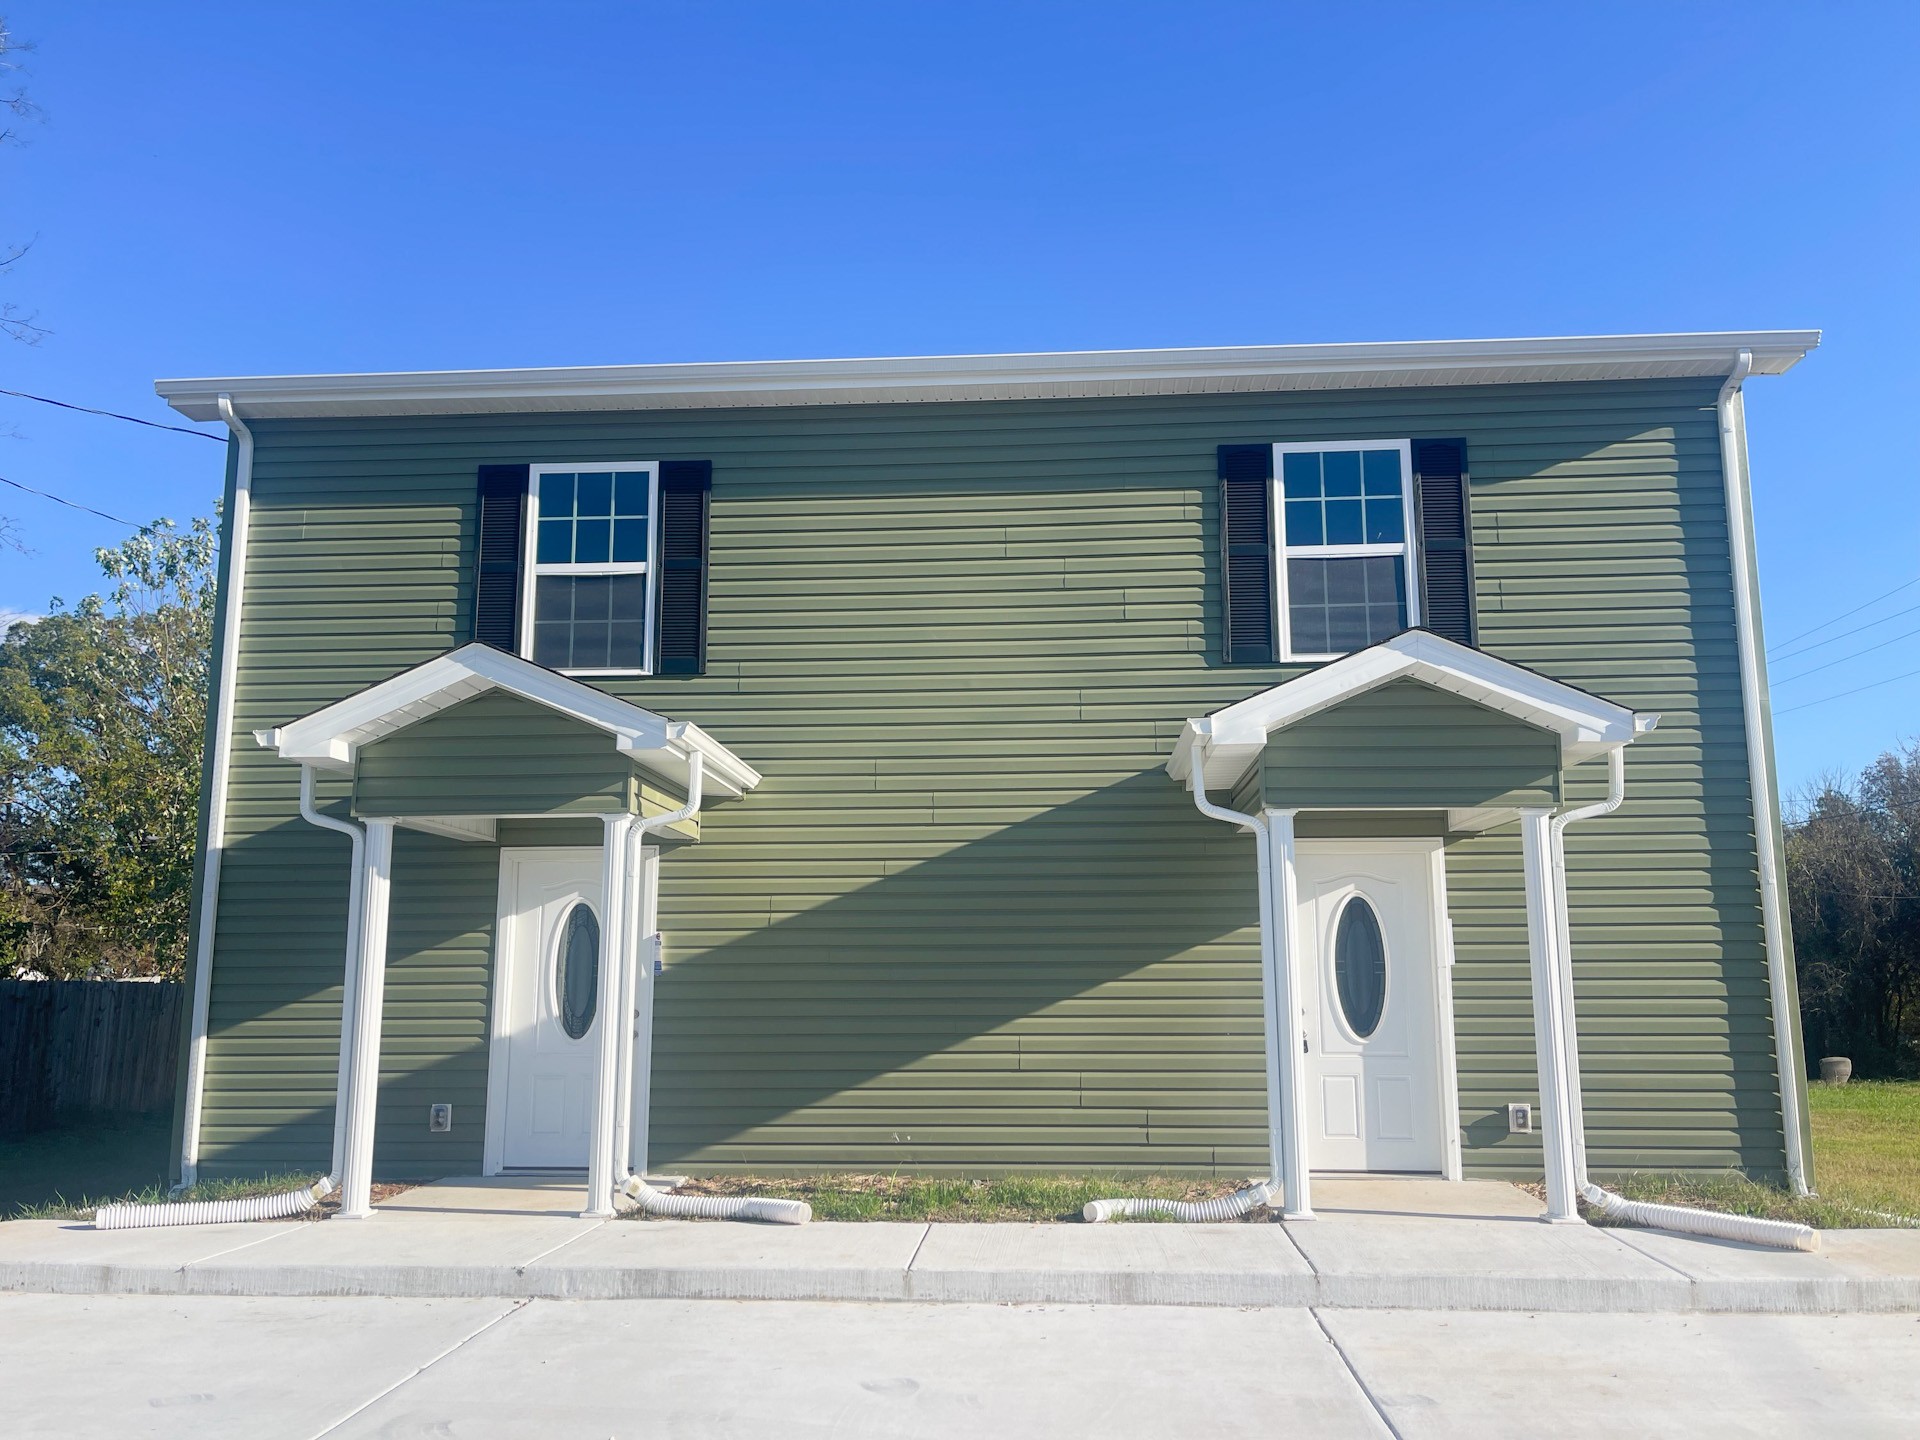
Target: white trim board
[{"x": 1063, "y": 374}]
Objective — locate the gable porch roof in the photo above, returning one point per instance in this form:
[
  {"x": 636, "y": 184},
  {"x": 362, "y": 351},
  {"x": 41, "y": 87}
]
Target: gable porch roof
[
  {"x": 331, "y": 738},
  {"x": 1231, "y": 739}
]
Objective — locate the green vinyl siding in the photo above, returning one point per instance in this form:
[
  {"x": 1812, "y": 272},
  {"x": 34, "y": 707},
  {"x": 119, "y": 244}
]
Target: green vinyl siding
[
  {"x": 967, "y": 922},
  {"x": 495, "y": 754},
  {"x": 1409, "y": 745}
]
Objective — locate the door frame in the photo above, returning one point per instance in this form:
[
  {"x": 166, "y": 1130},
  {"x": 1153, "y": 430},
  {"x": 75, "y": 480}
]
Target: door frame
[
  {"x": 498, "y": 1053},
  {"x": 1440, "y": 943}
]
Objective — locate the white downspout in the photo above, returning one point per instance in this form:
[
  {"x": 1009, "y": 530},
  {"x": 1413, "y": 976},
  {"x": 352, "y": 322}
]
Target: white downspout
[
  {"x": 1746, "y": 609},
  {"x": 631, "y": 982},
  {"x": 1296, "y": 1201},
  {"x": 288, "y": 1202},
  {"x": 357, "y": 840},
  {"x": 633, "y": 1184},
  {"x": 220, "y": 739},
  {"x": 1778, "y": 1233}
]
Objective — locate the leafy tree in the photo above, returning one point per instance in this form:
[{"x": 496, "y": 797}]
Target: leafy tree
[
  {"x": 1853, "y": 878},
  {"x": 102, "y": 713}
]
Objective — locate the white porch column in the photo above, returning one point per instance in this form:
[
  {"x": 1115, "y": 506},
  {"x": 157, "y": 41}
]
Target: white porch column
[
  {"x": 362, "y": 1097},
  {"x": 1286, "y": 1083},
  {"x": 610, "y": 1022},
  {"x": 1550, "y": 1034}
]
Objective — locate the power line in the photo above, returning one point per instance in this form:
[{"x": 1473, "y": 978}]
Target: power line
[
  {"x": 1907, "y": 634},
  {"x": 115, "y": 415},
  {"x": 1832, "y": 639},
  {"x": 1781, "y": 645},
  {"x": 1809, "y": 704},
  {"x": 71, "y": 504}
]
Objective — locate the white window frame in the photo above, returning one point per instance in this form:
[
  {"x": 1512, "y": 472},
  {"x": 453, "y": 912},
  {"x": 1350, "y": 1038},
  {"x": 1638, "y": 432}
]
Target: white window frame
[
  {"x": 531, "y": 570},
  {"x": 1283, "y": 618}
]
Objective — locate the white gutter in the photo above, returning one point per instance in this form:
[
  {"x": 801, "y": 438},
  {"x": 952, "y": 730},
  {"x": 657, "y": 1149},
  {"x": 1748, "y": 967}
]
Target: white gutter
[
  {"x": 357, "y": 839},
  {"x": 220, "y": 739},
  {"x": 920, "y": 378},
  {"x": 1760, "y": 779}
]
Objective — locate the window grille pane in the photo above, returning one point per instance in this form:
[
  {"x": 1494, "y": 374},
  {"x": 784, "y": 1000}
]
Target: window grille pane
[
  {"x": 1302, "y": 475},
  {"x": 556, "y": 541},
  {"x": 1382, "y": 471},
  {"x": 594, "y": 494},
  {"x": 630, "y": 493},
  {"x": 1341, "y": 469},
  {"x": 592, "y": 541},
  {"x": 556, "y": 495},
  {"x": 1386, "y": 525},
  {"x": 1343, "y": 522},
  {"x": 1303, "y": 523},
  {"x": 629, "y": 540}
]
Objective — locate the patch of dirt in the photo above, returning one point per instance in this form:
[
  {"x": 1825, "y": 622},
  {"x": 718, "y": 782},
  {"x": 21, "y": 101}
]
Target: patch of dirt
[{"x": 330, "y": 1206}]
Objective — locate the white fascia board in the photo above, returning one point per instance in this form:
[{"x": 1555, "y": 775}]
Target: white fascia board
[
  {"x": 1205, "y": 370},
  {"x": 1586, "y": 724}
]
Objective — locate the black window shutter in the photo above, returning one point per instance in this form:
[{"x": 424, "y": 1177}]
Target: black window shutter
[
  {"x": 1440, "y": 492},
  {"x": 1246, "y": 551},
  {"x": 680, "y": 640},
  {"x": 496, "y": 589}
]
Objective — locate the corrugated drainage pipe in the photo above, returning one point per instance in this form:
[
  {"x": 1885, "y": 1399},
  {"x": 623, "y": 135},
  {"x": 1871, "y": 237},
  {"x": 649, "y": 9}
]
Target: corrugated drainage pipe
[
  {"x": 1749, "y": 1230},
  {"x": 717, "y": 1207},
  {"x": 213, "y": 1212},
  {"x": 1780, "y": 1234},
  {"x": 1227, "y": 1207}
]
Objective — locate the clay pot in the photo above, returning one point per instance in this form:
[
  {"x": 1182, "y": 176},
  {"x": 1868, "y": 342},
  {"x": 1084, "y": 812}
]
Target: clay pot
[{"x": 1835, "y": 1069}]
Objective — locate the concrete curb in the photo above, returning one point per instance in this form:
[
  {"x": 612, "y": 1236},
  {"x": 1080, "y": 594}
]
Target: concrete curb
[{"x": 1561, "y": 1293}]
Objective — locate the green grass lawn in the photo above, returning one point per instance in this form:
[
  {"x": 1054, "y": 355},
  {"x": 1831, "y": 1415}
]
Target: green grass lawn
[
  {"x": 103, "y": 1157},
  {"x": 920, "y": 1197},
  {"x": 1866, "y": 1143},
  {"x": 1866, "y": 1165}
]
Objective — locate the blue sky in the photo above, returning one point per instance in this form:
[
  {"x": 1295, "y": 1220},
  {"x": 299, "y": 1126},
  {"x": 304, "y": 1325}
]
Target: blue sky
[{"x": 245, "y": 188}]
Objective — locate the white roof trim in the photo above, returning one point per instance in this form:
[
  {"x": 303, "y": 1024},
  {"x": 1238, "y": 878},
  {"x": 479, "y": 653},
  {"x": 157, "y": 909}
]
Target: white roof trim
[
  {"x": 330, "y": 739},
  {"x": 1209, "y": 370},
  {"x": 1233, "y": 738}
]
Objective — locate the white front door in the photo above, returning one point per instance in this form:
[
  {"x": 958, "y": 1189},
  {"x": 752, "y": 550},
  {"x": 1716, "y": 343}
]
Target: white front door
[
  {"x": 547, "y": 1032},
  {"x": 1369, "y": 964}
]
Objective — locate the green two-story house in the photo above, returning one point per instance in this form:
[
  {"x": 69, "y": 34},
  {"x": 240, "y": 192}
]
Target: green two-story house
[{"x": 1225, "y": 761}]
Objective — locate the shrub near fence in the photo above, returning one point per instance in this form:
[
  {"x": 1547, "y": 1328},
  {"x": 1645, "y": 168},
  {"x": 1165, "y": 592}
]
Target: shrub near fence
[{"x": 75, "y": 1046}]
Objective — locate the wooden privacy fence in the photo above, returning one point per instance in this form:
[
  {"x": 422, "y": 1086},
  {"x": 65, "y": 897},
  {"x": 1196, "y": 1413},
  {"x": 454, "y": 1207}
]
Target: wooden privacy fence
[{"x": 85, "y": 1045}]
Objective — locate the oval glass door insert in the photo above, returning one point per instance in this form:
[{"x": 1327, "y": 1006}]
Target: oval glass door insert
[
  {"x": 578, "y": 979},
  {"x": 1360, "y": 966}
]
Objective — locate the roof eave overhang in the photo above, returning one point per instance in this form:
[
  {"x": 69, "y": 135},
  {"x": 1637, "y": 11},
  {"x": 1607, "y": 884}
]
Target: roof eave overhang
[
  {"x": 1231, "y": 739},
  {"x": 1070, "y": 374},
  {"x": 332, "y": 737}
]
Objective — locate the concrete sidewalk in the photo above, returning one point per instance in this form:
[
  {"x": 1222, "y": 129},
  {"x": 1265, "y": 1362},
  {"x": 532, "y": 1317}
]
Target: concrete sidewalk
[{"x": 1376, "y": 1245}]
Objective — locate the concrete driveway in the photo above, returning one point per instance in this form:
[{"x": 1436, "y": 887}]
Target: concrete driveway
[{"x": 123, "y": 1366}]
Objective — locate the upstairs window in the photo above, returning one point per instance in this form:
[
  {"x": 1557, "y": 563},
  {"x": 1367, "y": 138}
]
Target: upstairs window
[
  {"x": 589, "y": 606},
  {"x": 1345, "y": 572}
]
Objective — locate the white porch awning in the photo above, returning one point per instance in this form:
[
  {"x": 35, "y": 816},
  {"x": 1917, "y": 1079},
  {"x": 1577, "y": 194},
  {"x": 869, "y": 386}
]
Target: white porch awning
[
  {"x": 330, "y": 738},
  {"x": 1232, "y": 739}
]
